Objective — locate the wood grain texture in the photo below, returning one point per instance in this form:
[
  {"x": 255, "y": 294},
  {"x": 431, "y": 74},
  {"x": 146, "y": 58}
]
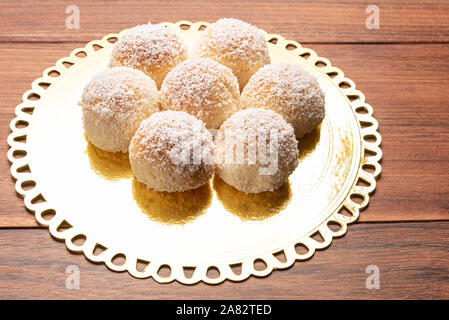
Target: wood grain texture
[
  {"x": 305, "y": 21},
  {"x": 412, "y": 259},
  {"x": 405, "y": 82},
  {"x": 406, "y": 85},
  {"x": 20, "y": 64},
  {"x": 401, "y": 82}
]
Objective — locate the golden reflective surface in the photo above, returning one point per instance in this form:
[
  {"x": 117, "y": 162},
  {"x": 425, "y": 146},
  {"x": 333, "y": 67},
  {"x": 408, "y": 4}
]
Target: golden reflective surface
[
  {"x": 256, "y": 207},
  {"x": 172, "y": 207},
  {"x": 307, "y": 144},
  {"x": 109, "y": 165},
  {"x": 95, "y": 191}
]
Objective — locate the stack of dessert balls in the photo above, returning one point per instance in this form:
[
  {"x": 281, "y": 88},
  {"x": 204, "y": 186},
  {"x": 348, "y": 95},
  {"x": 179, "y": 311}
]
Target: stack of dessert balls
[{"x": 221, "y": 109}]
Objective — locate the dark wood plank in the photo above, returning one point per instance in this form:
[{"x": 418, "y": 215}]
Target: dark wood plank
[
  {"x": 412, "y": 258},
  {"x": 406, "y": 86},
  {"x": 305, "y": 21},
  {"x": 401, "y": 82},
  {"x": 20, "y": 64}
]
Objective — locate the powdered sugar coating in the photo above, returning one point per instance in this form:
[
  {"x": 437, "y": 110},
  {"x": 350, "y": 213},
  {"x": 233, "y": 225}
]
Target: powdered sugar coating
[
  {"x": 235, "y": 44},
  {"x": 244, "y": 163},
  {"x": 203, "y": 88},
  {"x": 290, "y": 91},
  {"x": 172, "y": 151},
  {"x": 155, "y": 49},
  {"x": 114, "y": 102}
]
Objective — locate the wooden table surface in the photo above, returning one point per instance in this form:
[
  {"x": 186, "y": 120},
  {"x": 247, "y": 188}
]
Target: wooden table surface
[{"x": 402, "y": 68}]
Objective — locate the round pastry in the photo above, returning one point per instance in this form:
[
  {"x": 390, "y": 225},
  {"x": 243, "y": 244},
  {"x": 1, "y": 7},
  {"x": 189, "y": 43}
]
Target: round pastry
[
  {"x": 290, "y": 91},
  {"x": 256, "y": 151},
  {"x": 114, "y": 103},
  {"x": 235, "y": 44},
  {"x": 203, "y": 88},
  {"x": 155, "y": 49},
  {"x": 172, "y": 151}
]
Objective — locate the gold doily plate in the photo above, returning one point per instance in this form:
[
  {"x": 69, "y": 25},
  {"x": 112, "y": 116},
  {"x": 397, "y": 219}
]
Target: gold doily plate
[{"x": 90, "y": 199}]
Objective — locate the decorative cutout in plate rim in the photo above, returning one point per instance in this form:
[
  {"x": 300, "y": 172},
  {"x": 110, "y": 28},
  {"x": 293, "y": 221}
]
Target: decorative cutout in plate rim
[{"x": 28, "y": 187}]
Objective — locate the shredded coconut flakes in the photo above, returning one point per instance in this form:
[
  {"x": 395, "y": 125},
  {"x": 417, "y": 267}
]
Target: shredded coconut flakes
[
  {"x": 114, "y": 92},
  {"x": 165, "y": 136},
  {"x": 236, "y": 40},
  {"x": 149, "y": 45}
]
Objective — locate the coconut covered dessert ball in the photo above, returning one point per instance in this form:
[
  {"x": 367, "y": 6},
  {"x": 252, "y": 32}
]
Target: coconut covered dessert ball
[
  {"x": 155, "y": 49},
  {"x": 203, "y": 88},
  {"x": 256, "y": 151},
  {"x": 235, "y": 44},
  {"x": 172, "y": 151},
  {"x": 290, "y": 91},
  {"x": 114, "y": 103}
]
